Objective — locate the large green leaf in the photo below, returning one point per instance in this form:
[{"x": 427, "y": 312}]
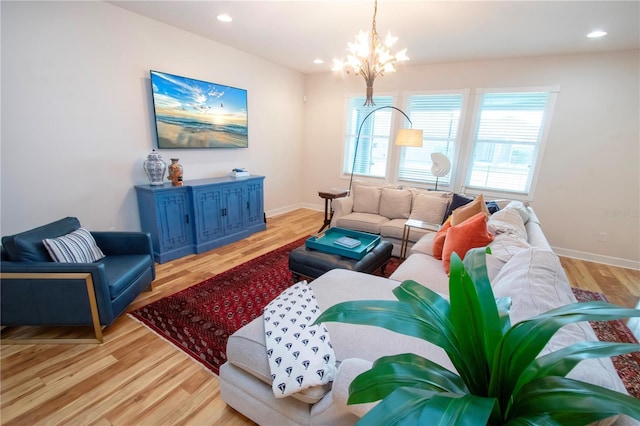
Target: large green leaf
[
  {"x": 547, "y": 420},
  {"x": 404, "y": 370},
  {"x": 437, "y": 308},
  {"x": 559, "y": 397},
  {"x": 408, "y": 406},
  {"x": 562, "y": 361},
  {"x": 475, "y": 263},
  {"x": 437, "y": 311},
  {"x": 476, "y": 320},
  {"x": 504, "y": 307},
  {"x": 524, "y": 341}
]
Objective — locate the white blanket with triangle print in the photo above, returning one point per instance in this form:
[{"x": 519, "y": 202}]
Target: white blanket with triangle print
[{"x": 300, "y": 354}]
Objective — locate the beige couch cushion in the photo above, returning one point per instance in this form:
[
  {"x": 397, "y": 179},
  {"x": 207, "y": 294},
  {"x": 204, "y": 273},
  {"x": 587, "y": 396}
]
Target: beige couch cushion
[
  {"x": 429, "y": 208},
  {"x": 395, "y": 229},
  {"x": 507, "y": 221},
  {"x": 395, "y": 203},
  {"x": 366, "y": 199},
  {"x": 503, "y": 248},
  {"x": 426, "y": 270},
  {"x": 365, "y": 222},
  {"x": 424, "y": 245},
  {"x": 521, "y": 208},
  {"x": 441, "y": 194}
]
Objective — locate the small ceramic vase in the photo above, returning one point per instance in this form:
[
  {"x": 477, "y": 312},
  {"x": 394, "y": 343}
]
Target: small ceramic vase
[
  {"x": 175, "y": 172},
  {"x": 155, "y": 168}
]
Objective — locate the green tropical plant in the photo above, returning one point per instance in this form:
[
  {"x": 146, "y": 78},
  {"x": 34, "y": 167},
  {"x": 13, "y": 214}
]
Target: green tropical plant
[{"x": 501, "y": 379}]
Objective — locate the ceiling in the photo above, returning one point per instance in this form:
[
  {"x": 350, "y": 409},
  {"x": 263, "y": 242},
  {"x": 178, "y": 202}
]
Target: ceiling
[{"x": 294, "y": 33}]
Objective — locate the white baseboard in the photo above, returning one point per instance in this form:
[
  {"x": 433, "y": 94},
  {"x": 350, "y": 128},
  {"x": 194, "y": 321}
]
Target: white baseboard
[
  {"x": 598, "y": 258},
  {"x": 293, "y": 207}
]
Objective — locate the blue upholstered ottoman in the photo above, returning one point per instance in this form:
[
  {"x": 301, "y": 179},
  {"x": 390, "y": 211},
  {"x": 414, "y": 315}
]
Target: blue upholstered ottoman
[{"x": 313, "y": 263}]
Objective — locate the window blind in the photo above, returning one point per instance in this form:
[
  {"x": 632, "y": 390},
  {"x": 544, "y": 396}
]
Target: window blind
[
  {"x": 373, "y": 146},
  {"x": 508, "y": 134},
  {"x": 438, "y": 116}
]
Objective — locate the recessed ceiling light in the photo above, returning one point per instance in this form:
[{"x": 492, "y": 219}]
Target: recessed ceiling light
[
  {"x": 318, "y": 61},
  {"x": 596, "y": 34},
  {"x": 224, "y": 18}
]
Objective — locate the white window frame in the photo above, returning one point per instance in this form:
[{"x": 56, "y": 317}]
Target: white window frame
[
  {"x": 448, "y": 181},
  {"x": 350, "y": 134},
  {"x": 540, "y": 146}
]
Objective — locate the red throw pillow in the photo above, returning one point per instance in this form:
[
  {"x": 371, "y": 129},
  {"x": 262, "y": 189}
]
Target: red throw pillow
[
  {"x": 438, "y": 240},
  {"x": 463, "y": 237}
]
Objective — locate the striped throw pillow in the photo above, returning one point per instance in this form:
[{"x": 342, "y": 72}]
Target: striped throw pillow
[{"x": 76, "y": 247}]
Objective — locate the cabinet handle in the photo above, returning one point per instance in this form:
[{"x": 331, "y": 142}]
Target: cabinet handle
[
  {"x": 187, "y": 217},
  {"x": 247, "y": 205},
  {"x": 224, "y": 212}
]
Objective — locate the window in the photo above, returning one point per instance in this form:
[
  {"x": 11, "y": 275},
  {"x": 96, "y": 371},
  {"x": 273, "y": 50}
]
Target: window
[
  {"x": 438, "y": 116},
  {"x": 373, "y": 145},
  {"x": 509, "y": 134}
]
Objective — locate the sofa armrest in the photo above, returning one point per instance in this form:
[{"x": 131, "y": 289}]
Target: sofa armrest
[
  {"x": 424, "y": 244},
  {"x": 348, "y": 370},
  {"x": 53, "y": 275},
  {"x": 341, "y": 207},
  {"x": 119, "y": 243}
]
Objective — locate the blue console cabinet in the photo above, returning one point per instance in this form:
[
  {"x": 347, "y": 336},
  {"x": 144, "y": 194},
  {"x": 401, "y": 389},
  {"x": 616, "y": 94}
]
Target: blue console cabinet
[{"x": 201, "y": 215}]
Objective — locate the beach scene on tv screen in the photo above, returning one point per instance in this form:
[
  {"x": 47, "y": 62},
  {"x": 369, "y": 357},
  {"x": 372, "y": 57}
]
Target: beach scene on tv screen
[{"x": 197, "y": 114}]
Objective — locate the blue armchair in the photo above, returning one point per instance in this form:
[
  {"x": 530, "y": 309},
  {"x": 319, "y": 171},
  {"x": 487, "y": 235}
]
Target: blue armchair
[{"x": 35, "y": 290}]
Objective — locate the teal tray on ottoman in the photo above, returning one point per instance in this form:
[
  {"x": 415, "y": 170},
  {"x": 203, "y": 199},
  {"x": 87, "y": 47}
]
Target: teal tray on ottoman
[
  {"x": 329, "y": 242},
  {"x": 312, "y": 263}
]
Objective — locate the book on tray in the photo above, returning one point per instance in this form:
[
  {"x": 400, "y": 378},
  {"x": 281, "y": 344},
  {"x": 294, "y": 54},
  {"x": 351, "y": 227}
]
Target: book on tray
[{"x": 347, "y": 242}]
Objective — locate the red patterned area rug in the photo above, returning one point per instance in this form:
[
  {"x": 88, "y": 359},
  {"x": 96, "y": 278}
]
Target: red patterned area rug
[
  {"x": 627, "y": 365},
  {"x": 200, "y": 319}
]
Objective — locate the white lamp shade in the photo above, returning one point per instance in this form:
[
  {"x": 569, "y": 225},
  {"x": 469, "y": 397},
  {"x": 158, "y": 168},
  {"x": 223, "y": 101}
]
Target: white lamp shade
[
  {"x": 409, "y": 137},
  {"x": 440, "y": 164}
]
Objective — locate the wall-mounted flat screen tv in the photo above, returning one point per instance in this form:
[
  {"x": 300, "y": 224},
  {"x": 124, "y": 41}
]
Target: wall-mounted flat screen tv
[{"x": 195, "y": 114}]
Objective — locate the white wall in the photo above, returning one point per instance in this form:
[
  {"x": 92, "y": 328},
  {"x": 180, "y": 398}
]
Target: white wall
[
  {"x": 589, "y": 181},
  {"x": 77, "y": 120},
  {"x": 77, "y": 124}
]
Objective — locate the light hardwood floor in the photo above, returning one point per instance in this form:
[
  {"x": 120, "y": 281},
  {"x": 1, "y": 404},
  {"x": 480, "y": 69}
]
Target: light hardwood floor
[{"x": 136, "y": 378}]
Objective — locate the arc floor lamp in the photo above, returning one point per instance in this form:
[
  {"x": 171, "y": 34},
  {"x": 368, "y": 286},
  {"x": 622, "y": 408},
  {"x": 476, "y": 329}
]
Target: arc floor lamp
[{"x": 405, "y": 137}]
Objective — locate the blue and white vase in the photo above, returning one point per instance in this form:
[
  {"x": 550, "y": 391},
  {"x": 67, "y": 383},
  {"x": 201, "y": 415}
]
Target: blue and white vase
[{"x": 155, "y": 168}]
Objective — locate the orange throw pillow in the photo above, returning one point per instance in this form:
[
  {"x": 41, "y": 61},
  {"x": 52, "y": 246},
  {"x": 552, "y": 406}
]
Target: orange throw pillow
[
  {"x": 461, "y": 238},
  {"x": 438, "y": 240}
]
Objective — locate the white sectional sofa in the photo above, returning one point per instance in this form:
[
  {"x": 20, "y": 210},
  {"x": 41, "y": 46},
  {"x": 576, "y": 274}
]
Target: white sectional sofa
[{"x": 521, "y": 267}]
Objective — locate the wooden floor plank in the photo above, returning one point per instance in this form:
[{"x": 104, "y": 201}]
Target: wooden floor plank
[
  {"x": 135, "y": 377},
  {"x": 99, "y": 402}
]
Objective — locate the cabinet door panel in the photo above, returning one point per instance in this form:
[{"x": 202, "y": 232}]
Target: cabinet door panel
[
  {"x": 234, "y": 213},
  {"x": 254, "y": 203},
  {"x": 209, "y": 219},
  {"x": 173, "y": 219}
]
